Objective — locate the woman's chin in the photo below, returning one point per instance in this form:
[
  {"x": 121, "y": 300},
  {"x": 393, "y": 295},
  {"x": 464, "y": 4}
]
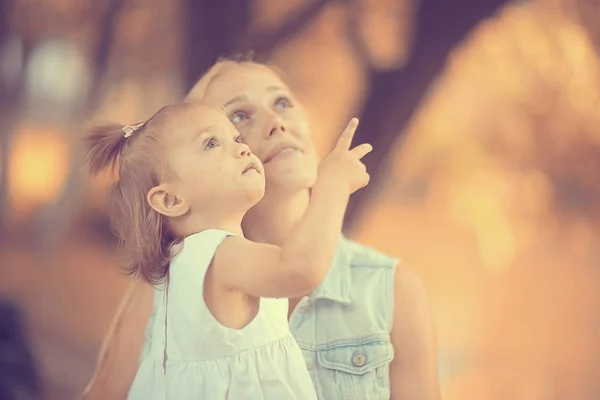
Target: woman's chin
[{"x": 293, "y": 181}]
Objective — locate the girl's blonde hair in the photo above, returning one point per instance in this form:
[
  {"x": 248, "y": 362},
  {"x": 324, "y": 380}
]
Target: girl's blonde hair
[{"x": 134, "y": 152}]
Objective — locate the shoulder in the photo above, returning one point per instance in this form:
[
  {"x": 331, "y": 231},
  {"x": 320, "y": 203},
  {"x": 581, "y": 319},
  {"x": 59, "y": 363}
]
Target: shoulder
[
  {"x": 406, "y": 282},
  {"x": 408, "y": 286},
  {"x": 193, "y": 256},
  {"x": 203, "y": 242},
  {"x": 361, "y": 256},
  {"x": 413, "y": 371},
  {"x": 407, "y": 294},
  {"x": 412, "y": 327},
  {"x": 207, "y": 238},
  {"x": 372, "y": 275}
]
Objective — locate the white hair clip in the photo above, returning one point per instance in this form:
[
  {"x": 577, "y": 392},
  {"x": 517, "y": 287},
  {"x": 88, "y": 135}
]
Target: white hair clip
[{"x": 130, "y": 130}]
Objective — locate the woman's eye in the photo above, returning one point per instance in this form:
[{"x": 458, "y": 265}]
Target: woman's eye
[
  {"x": 238, "y": 117},
  {"x": 283, "y": 102},
  {"x": 211, "y": 143},
  {"x": 240, "y": 138}
]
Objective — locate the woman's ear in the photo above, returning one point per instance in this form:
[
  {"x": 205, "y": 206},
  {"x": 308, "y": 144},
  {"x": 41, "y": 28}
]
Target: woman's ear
[{"x": 166, "y": 203}]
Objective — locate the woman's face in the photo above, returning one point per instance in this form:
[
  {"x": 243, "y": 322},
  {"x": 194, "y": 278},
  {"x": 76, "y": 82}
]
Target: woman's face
[{"x": 274, "y": 125}]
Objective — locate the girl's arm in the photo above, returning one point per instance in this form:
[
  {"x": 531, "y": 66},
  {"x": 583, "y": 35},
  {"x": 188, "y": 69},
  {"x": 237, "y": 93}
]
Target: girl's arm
[
  {"x": 119, "y": 355},
  {"x": 297, "y": 267}
]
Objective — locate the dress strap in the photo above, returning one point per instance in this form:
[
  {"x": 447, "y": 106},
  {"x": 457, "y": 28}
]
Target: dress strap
[{"x": 166, "y": 308}]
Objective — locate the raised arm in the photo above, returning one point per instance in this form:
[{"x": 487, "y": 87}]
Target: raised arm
[
  {"x": 120, "y": 351},
  {"x": 263, "y": 270}
]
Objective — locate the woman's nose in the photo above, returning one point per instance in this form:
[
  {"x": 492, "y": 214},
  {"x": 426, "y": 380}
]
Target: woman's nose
[{"x": 277, "y": 125}]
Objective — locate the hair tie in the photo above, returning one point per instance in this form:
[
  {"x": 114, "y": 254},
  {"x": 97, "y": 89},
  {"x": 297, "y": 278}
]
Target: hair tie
[{"x": 130, "y": 130}]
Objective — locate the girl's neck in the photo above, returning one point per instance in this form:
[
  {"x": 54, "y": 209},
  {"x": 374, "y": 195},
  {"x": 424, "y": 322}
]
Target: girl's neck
[
  {"x": 198, "y": 223},
  {"x": 272, "y": 219}
]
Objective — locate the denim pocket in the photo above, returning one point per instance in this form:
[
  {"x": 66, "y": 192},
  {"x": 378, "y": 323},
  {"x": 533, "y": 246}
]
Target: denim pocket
[{"x": 357, "y": 371}]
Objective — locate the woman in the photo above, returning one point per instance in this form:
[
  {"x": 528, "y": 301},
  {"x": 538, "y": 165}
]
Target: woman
[{"x": 365, "y": 332}]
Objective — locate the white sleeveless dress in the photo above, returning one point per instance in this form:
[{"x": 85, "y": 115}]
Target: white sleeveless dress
[{"x": 193, "y": 356}]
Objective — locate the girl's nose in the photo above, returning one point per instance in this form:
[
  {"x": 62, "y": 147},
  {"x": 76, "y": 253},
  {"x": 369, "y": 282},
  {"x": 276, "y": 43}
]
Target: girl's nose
[{"x": 243, "y": 151}]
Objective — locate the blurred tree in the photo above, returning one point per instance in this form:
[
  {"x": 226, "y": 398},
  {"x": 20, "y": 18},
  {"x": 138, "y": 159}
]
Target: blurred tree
[
  {"x": 215, "y": 28},
  {"x": 19, "y": 378},
  {"x": 508, "y": 143},
  {"x": 370, "y": 20},
  {"x": 4, "y": 99},
  {"x": 588, "y": 15},
  {"x": 265, "y": 43},
  {"x": 212, "y": 28},
  {"x": 101, "y": 56},
  {"x": 53, "y": 223},
  {"x": 13, "y": 54},
  {"x": 396, "y": 94}
]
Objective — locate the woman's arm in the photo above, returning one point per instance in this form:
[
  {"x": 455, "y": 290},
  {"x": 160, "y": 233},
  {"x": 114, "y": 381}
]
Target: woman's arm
[
  {"x": 119, "y": 355},
  {"x": 414, "y": 370}
]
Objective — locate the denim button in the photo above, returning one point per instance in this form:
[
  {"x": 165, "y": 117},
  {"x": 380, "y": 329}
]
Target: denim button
[{"x": 359, "y": 359}]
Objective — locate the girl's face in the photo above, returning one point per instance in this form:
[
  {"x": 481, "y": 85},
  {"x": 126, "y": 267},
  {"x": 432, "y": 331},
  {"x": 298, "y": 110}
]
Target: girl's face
[
  {"x": 210, "y": 167},
  {"x": 275, "y": 126}
]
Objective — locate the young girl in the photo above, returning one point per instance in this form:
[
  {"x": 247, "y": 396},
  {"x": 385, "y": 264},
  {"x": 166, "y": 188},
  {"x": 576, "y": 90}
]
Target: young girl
[{"x": 186, "y": 179}]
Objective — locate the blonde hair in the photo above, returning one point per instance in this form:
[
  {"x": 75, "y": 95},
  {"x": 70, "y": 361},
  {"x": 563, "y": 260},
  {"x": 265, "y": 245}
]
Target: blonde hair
[
  {"x": 198, "y": 91},
  {"x": 133, "y": 152}
]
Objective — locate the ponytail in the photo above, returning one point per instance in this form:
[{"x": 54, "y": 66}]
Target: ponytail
[
  {"x": 144, "y": 240},
  {"x": 107, "y": 144},
  {"x": 133, "y": 151}
]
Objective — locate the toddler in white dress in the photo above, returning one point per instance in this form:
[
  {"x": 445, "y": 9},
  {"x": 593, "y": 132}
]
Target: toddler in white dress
[{"x": 185, "y": 181}]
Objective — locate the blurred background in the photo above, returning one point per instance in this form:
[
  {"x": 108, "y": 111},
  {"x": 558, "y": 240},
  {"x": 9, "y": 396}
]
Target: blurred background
[{"x": 484, "y": 115}]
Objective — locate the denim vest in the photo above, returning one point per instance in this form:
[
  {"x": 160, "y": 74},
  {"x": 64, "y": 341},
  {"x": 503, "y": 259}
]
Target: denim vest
[{"x": 343, "y": 327}]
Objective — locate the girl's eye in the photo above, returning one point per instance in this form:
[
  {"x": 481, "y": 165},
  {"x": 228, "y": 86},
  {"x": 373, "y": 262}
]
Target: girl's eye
[
  {"x": 237, "y": 117},
  {"x": 211, "y": 143},
  {"x": 283, "y": 102},
  {"x": 240, "y": 138}
]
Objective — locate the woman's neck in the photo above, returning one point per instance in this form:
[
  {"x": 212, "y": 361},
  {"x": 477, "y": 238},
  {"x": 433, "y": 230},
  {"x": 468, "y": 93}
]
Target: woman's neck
[{"x": 272, "y": 219}]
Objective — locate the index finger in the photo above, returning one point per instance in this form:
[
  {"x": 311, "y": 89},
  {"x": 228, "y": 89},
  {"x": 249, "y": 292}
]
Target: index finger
[{"x": 345, "y": 139}]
